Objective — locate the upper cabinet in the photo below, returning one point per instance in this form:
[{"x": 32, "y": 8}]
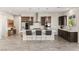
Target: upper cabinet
[
  {"x": 45, "y": 20},
  {"x": 27, "y": 19},
  {"x": 49, "y": 19},
  {"x": 62, "y": 20}
]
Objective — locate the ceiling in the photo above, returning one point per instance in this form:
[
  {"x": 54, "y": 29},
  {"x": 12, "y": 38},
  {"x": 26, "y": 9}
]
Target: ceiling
[{"x": 23, "y": 10}]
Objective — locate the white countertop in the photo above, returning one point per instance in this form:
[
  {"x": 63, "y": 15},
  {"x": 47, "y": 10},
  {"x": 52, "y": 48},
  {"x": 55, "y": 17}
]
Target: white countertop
[{"x": 69, "y": 30}]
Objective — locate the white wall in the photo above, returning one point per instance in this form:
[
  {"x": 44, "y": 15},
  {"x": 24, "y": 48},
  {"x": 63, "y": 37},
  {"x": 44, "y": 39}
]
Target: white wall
[
  {"x": 17, "y": 23},
  {"x": 0, "y": 26}
]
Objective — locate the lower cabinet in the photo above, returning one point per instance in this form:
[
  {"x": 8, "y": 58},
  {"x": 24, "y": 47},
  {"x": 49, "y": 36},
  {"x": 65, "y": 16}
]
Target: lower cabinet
[{"x": 69, "y": 36}]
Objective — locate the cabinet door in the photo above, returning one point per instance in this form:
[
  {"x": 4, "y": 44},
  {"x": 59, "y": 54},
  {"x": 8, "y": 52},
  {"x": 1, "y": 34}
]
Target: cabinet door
[
  {"x": 65, "y": 20},
  {"x": 24, "y": 19},
  {"x": 49, "y": 19},
  {"x": 73, "y": 37},
  {"x": 59, "y": 20},
  {"x": 42, "y": 20},
  {"x": 62, "y": 20},
  {"x": 31, "y": 21}
]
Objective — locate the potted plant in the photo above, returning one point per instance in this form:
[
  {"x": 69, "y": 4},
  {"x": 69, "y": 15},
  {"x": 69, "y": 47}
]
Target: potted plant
[{"x": 71, "y": 23}]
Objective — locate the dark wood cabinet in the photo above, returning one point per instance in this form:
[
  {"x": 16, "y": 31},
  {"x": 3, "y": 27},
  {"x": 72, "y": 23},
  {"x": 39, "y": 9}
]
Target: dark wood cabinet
[
  {"x": 27, "y": 19},
  {"x": 43, "y": 20},
  {"x": 69, "y": 36},
  {"x": 63, "y": 20},
  {"x": 49, "y": 19}
]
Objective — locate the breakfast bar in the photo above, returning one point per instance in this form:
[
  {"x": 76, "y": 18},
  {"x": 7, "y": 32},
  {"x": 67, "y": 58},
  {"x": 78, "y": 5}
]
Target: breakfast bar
[{"x": 38, "y": 35}]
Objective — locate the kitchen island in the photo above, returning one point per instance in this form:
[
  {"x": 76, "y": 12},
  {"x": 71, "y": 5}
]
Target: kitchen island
[
  {"x": 38, "y": 34},
  {"x": 71, "y": 36}
]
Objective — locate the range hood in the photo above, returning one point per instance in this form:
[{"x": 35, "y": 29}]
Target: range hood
[
  {"x": 36, "y": 23},
  {"x": 36, "y": 17}
]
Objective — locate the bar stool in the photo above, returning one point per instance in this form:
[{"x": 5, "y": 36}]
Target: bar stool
[
  {"x": 38, "y": 35},
  {"x": 48, "y": 35},
  {"x": 43, "y": 35},
  {"x": 33, "y": 34},
  {"x": 29, "y": 35}
]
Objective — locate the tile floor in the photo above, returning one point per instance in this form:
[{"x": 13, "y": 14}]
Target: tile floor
[{"x": 15, "y": 43}]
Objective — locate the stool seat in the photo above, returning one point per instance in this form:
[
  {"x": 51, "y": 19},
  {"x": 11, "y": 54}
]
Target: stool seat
[
  {"x": 28, "y": 32},
  {"x": 38, "y": 32},
  {"x": 48, "y": 32}
]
